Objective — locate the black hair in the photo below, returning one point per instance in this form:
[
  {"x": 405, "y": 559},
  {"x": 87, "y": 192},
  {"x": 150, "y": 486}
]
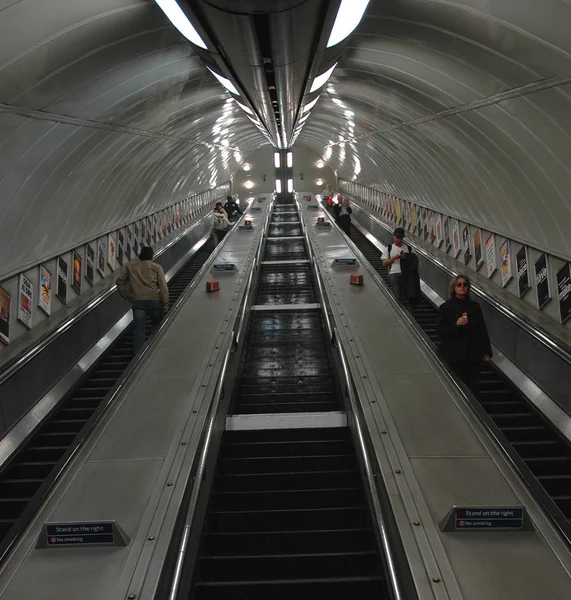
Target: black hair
[
  {"x": 146, "y": 253},
  {"x": 229, "y": 198},
  {"x": 218, "y": 204}
]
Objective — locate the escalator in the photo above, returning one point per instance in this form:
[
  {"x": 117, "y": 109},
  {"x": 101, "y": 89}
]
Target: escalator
[
  {"x": 26, "y": 479},
  {"x": 543, "y": 450},
  {"x": 288, "y": 515}
]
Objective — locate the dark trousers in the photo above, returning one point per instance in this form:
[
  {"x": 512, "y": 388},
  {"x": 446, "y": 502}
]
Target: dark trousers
[
  {"x": 469, "y": 373},
  {"x": 344, "y": 222},
  {"x": 219, "y": 235},
  {"x": 141, "y": 310},
  {"x": 399, "y": 290}
]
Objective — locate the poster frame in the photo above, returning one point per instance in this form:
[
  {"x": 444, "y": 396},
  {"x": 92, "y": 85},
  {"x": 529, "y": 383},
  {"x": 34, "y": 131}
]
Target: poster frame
[
  {"x": 540, "y": 304},
  {"x": 76, "y": 282},
  {"x": 90, "y": 256},
  {"x": 438, "y": 230},
  {"x": 491, "y": 255},
  {"x": 101, "y": 256},
  {"x": 27, "y": 322},
  {"x": 5, "y": 337},
  {"x": 46, "y": 306},
  {"x": 478, "y": 254},
  {"x": 506, "y": 268},
  {"x": 456, "y": 245},
  {"x": 521, "y": 292},
  {"x": 111, "y": 252},
  {"x": 62, "y": 279},
  {"x": 563, "y": 318}
]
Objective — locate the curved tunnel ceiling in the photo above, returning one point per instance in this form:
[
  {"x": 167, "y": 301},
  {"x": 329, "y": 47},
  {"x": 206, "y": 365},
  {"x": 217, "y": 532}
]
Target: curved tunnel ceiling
[
  {"x": 462, "y": 106},
  {"x": 107, "y": 115}
]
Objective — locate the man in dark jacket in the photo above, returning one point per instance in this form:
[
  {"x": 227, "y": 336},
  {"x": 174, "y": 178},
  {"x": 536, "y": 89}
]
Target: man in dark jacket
[
  {"x": 232, "y": 209},
  {"x": 342, "y": 212}
]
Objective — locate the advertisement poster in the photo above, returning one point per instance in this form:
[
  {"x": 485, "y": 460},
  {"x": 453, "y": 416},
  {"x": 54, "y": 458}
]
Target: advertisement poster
[
  {"x": 129, "y": 243},
  {"x": 168, "y": 217},
  {"x": 120, "y": 246},
  {"x": 491, "y": 255},
  {"x": 177, "y": 218},
  {"x": 542, "y": 281},
  {"x": 431, "y": 232},
  {"x": 155, "y": 218},
  {"x": 413, "y": 217},
  {"x": 406, "y": 214},
  {"x": 456, "y": 238},
  {"x": 398, "y": 211},
  {"x": 522, "y": 272},
  {"x": 447, "y": 241},
  {"x": 5, "y": 301},
  {"x": 111, "y": 252},
  {"x": 25, "y": 301},
  {"x": 438, "y": 232},
  {"x": 505, "y": 262},
  {"x": 564, "y": 292},
  {"x": 45, "y": 296},
  {"x": 478, "y": 249},
  {"x": 61, "y": 278},
  {"x": 89, "y": 263},
  {"x": 160, "y": 225},
  {"x": 76, "y": 281},
  {"x": 136, "y": 239},
  {"x": 466, "y": 244},
  {"x": 425, "y": 221},
  {"x": 150, "y": 231},
  {"x": 143, "y": 232},
  {"x": 101, "y": 256}
]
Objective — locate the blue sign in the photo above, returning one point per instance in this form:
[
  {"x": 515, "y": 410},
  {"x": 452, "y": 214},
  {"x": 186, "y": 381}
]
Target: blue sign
[
  {"x": 345, "y": 261},
  {"x": 79, "y": 533},
  {"x": 323, "y": 224},
  {"x": 488, "y": 518},
  {"x": 245, "y": 226},
  {"x": 225, "y": 267},
  {"x": 255, "y": 208},
  {"x": 313, "y": 206}
]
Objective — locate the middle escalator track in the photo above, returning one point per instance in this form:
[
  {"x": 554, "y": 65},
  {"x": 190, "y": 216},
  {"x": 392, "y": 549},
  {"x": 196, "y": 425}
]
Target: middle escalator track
[
  {"x": 543, "y": 450},
  {"x": 288, "y": 514},
  {"x": 26, "y": 479}
]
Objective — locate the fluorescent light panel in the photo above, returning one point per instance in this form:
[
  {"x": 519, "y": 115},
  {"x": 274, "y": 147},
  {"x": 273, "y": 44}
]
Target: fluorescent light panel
[
  {"x": 320, "y": 80},
  {"x": 290, "y": 185},
  {"x": 278, "y": 186},
  {"x": 225, "y": 82},
  {"x": 177, "y": 17},
  {"x": 309, "y": 106},
  {"x": 349, "y": 16},
  {"x": 290, "y": 159},
  {"x": 244, "y": 107},
  {"x": 277, "y": 160}
]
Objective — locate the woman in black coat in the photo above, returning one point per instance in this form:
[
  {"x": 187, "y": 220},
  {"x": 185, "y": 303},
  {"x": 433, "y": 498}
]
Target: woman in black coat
[{"x": 465, "y": 342}]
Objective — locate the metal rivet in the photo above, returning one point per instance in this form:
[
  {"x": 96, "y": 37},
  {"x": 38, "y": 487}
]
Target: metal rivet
[
  {"x": 194, "y": 411},
  {"x": 384, "y": 432},
  {"x": 373, "y": 401},
  {"x": 151, "y": 538},
  {"x": 132, "y": 596},
  {"x": 183, "y": 444},
  {"x": 364, "y": 377},
  {"x": 417, "y": 523},
  {"x": 398, "y": 471},
  {"x": 436, "y": 579},
  {"x": 203, "y": 385}
]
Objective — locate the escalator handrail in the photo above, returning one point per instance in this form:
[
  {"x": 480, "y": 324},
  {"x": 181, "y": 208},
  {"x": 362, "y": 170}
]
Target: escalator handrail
[
  {"x": 14, "y": 365},
  {"x": 557, "y": 347}
]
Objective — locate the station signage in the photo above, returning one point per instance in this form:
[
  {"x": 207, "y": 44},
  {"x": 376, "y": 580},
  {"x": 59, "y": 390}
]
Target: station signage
[
  {"x": 344, "y": 262},
  {"x": 486, "y": 518},
  {"x": 90, "y": 534},
  {"x": 225, "y": 267}
]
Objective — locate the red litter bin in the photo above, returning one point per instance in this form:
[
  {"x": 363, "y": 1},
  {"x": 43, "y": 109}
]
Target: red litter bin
[
  {"x": 248, "y": 222},
  {"x": 356, "y": 279},
  {"x": 321, "y": 219},
  {"x": 212, "y": 285}
]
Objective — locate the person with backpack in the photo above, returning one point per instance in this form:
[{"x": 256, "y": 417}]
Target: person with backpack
[
  {"x": 342, "y": 212},
  {"x": 220, "y": 223},
  {"x": 232, "y": 209},
  {"x": 394, "y": 255},
  {"x": 143, "y": 283},
  {"x": 464, "y": 339}
]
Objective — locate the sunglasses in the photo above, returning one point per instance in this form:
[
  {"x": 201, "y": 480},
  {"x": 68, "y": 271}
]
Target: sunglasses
[{"x": 463, "y": 284}]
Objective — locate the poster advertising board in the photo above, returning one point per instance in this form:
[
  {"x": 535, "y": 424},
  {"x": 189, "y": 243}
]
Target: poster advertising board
[
  {"x": 447, "y": 242},
  {"x": 101, "y": 256},
  {"x": 506, "y": 262},
  {"x": 406, "y": 222},
  {"x": 466, "y": 244},
  {"x": 542, "y": 281},
  {"x": 25, "y": 301},
  {"x": 398, "y": 212},
  {"x": 438, "y": 231},
  {"x": 431, "y": 229},
  {"x": 522, "y": 272},
  {"x": 5, "y": 304},
  {"x": 478, "y": 249},
  {"x": 111, "y": 252},
  {"x": 45, "y": 295},
  {"x": 413, "y": 217},
  {"x": 62, "y": 278},
  {"x": 136, "y": 239},
  {"x": 456, "y": 239},
  {"x": 129, "y": 243},
  {"x": 77, "y": 264},
  {"x": 564, "y": 292},
  {"x": 160, "y": 225},
  {"x": 89, "y": 263},
  {"x": 120, "y": 247},
  {"x": 491, "y": 261},
  {"x": 143, "y": 232}
]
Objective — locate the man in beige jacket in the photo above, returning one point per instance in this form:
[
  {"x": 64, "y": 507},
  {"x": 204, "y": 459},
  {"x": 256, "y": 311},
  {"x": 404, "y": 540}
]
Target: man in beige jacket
[{"x": 144, "y": 284}]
